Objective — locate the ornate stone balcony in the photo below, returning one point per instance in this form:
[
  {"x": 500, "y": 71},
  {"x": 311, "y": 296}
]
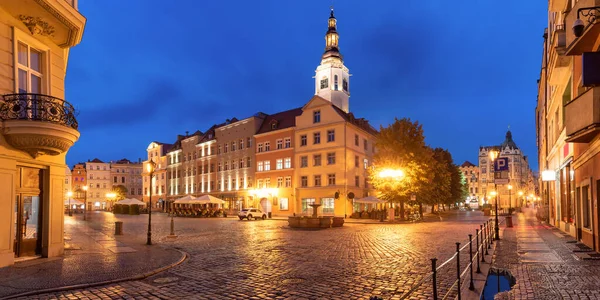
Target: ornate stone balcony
[{"x": 38, "y": 124}]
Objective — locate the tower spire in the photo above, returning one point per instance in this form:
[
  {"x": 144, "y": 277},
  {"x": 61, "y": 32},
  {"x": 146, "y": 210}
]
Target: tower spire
[{"x": 332, "y": 38}]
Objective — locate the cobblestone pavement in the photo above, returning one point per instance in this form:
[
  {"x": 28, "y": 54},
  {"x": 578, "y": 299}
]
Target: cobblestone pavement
[
  {"x": 231, "y": 259},
  {"x": 87, "y": 251},
  {"x": 544, "y": 267}
]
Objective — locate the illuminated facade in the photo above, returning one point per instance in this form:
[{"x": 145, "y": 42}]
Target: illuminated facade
[
  {"x": 567, "y": 119},
  {"x": 38, "y": 126},
  {"x": 128, "y": 174},
  {"x": 275, "y": 164},
  {"x": 99, "y": 184},
  {"x": 471, "y": 175},
  {"x": 157, "y": 152},
  {"x": 78, "y": 181},
  {"x": 519, "y": 175}
]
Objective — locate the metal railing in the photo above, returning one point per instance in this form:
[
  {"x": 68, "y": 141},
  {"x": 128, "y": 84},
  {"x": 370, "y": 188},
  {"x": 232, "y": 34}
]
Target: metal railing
[
  {"x": 484, "y": 239},
  {"x": 38, "y": 107}
]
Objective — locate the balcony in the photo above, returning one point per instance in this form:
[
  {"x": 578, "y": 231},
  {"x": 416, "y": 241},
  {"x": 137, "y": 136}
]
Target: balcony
[
  {"x": 57, "y": 19},
  {"x": 582, "y": 117},
  {"x": 558, "y": 63},
  {"x": 38, "y": 124},
  {"x": 585, "y": 43}
]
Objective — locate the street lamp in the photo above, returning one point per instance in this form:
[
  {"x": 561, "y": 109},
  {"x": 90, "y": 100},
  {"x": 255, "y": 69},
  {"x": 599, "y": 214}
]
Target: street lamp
[
  {"x": 493, "y": 156},
  {"x": 69, "y": 194},
  {"x": 509, "y": 200},
  {"x": 111, "y": 196},
  {"x": 85, "y": 188},
  {"x": 396, "y": 175},
  {"x": 150, "y": 168}
]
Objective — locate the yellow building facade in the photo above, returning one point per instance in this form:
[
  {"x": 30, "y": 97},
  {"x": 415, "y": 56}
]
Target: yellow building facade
[{"x": 35, "y": 38}]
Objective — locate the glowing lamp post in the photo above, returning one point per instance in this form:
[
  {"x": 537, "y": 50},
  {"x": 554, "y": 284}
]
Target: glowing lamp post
[
  {"x": 85, "y": 188},
  {"x": 150, "y": 168},
  {"x": 493, "y": 156},
  {"x": 69, "y": 194},
  {"x": 394, "y": 175}
]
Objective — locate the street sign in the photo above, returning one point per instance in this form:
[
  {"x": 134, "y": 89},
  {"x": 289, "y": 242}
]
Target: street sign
[
  {"x": 501, "y": 181},
  {"x": 501, "y": 177},
  {"x": 501, "y": 164}
]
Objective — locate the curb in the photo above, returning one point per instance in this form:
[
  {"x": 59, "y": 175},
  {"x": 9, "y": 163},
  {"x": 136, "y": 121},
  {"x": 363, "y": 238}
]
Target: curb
[{"x": 184, "y": 256}]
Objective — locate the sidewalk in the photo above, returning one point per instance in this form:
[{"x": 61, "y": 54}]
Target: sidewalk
[
  {"x": 91, "y": 256},
  {"x": 546, "y": 263}
]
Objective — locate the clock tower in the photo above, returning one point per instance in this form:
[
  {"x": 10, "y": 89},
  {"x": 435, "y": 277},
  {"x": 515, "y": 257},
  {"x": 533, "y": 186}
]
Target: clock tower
[{"x": 332, "y": 79}]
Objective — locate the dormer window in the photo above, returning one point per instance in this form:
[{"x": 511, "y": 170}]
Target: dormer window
[
  {"x": 324, "y": 83},
  {"x": 274, "y": 125}
]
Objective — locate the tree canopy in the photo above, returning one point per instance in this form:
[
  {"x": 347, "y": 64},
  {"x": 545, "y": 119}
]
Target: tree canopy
[{"x": 120, "y": 192}]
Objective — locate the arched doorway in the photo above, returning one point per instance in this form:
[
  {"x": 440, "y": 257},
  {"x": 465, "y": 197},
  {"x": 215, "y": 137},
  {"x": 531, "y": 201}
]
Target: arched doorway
[{"x": 265, "y": 205}]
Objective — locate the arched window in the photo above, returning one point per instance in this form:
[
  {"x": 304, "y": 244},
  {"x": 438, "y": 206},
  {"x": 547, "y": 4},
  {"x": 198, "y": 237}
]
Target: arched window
[
  {"x": 345, "y": 84},
  {"x": 335, "y": 83}
]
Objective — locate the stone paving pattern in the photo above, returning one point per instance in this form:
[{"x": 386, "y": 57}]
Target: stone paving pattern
[
  {"x": 543, "y": 263},
  {"x": 231, "y": 259}
]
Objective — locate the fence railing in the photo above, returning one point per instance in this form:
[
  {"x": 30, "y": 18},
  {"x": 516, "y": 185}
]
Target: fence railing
[{"x": 484, "y": 239}]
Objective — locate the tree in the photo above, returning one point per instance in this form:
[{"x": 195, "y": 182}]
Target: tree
[
  {"x": 459, "y": 187},
  {"x": 401, "y": 145},
  {"x": 441, "y": 169},
  {"x": 120, "y": 192}
]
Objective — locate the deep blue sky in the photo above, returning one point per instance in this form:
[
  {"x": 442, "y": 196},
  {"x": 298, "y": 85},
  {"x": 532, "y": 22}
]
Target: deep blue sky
[{"x": 149, "y": 70}]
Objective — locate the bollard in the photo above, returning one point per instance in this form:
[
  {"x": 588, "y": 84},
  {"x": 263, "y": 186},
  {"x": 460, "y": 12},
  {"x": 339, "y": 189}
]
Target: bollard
[
  {"x": 118, "y": 228},
  {"x": 478, "y": 250},
  {"x": 434, "y": 276},
  {"x": 172, "y": 226},
  {"x": 471, "y": 285},
  {"x": 458, "y": 268}
]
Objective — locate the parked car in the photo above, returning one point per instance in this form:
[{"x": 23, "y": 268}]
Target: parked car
[{"x": 249, "y": 213}]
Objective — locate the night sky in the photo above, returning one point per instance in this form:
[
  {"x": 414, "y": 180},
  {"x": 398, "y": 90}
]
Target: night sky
[{"x": 148, "y": 70}]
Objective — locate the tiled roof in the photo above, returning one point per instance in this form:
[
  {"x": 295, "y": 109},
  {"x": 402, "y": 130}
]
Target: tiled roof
[
  {"x": 468, "y": 164},
  {"x": 359, "y": 122},
  {"x": 95, "y": 160},
  {"x": 284, "y": 119}
]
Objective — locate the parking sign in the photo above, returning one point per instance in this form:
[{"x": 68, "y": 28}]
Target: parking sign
[{"x": 501, "y": 164}]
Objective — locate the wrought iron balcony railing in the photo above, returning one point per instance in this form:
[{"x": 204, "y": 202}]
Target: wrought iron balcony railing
[{"x": 37, "y": 107}]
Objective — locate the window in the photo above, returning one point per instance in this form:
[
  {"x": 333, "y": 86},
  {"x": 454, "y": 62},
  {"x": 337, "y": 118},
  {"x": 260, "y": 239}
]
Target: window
[
  {"x": 279, "y": 164},
  {"x": 267, "y": 165},
  {"x": 586, "y": 207},
  {"x": 241, "y": 144},
  {"x": 219, "y": 149},
  {"x": 225, "y": 147},
  {"x": 317, "y": 180},
  {"x": 279, "y": 182},
  {"x": 29, "y": 66},
  {"x": 324, "y": 83},
  {"x": 335, "y": 83},
  {"x": 316, "y": 138},
  {"x": 303, "y": 140},
  {"x": 483, "y": 170},
  {"x": 356, "y": 161},
  {"x": 267, "y": 182},
  {"x": 303, "y": 161},
  {"x": 357, "y": 181},
  {"x": 267, "y": 146},
  {"x": 345, "y": 84},
  {"x": 248, "y": 162},
  {"x": 365, "y": 144},
  {"x": 259, "y": 183},
  {"x": 283, "y": 204},
  {"x": 249, "y": 142},
  {"x": 259, "y": 148},
  {"x": 279, "y": 144},
  {"x": 241, "y": 163},
  {"x": 331, "y": 179},
  {"x": 304, "y": 181},
  {"x": 366, "y": 163},
  {"x": 274, "y": 125},
  {"x": 317, "y": 160},
  {"x": 331, "y": 158},
  {"x": 287, "y": 143},
  {"x": 233, "y": 164},
  {"x": 356, "y": 139},
  {"x": 287, "y": 163},
  {"x": 226, "y": 166},
  {"x": 115, "y": 179},
  {"x": 259, "y": 166},
  {"x": 232, "y": 146},
  {"x": 122, "y": 179},
  {"x": 317, "y": 116},
  {"x": 327, "y": 205},
  {"x": 330, "y": 136},
  {"x": 288, "y": 181}
]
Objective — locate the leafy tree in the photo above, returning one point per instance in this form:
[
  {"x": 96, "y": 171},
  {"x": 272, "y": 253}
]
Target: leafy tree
[
  {"x": 120, "y": 192},
  {"x": 401, "y": 145},
  {"x": 459, "y": 187},
  {"x": 441, "y": 169}
]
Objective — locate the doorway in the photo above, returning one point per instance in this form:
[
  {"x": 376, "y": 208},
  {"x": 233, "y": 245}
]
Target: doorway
[{"x": 28, "y": 212}]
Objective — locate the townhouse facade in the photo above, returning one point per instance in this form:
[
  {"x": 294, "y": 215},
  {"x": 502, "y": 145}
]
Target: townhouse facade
[
  {"x": 99, "y": 185},
  {"x": 471, "y": 175},
  {"x": 567, "y": 120},
  {"x": 520, "y": 183},
  {"x": 128, "y": 174},
  {"x": 78, "y": 181},
  {"x": 38, "y": 126},
  {"x": 281, "y": 162},
  {"x": 157, "y": 153}
]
